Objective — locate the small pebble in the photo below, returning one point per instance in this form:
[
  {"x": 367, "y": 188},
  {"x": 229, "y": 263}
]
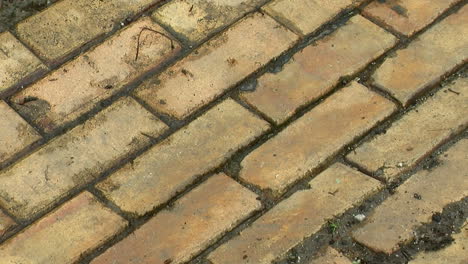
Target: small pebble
[{"x": 360, "y": 217}]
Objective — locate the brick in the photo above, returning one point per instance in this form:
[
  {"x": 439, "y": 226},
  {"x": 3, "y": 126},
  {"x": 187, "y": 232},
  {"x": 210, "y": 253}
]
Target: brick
[
  {"x": 17, "y": 63},
  {"x": 216, "y": 66},
  {"x": 414, "y": 136},
  {"x": 298, "y": 149},
  {"x": 78, "y": 86},
  {"x": 305, "y": 16},
  {"x": 407, "y": 16},
  {"x": 75, "y": 228},
  {"x": 194, "y": 222},
  {"x": 299, "y": 216},
  {"x": 76, "y": 158},
  {"x": 69, "y": 24},
  {"x": 176, "y": 162},
  {"x": 394, "y": 222},
  {"x": 426, "y": 59},
  {"x": 457, "y": 252},
  {"x": 195, "y": 20},
  {"x": 15, "y": 133},
  {"x": 330, "y": 256},
  {"x": 346, "y": 51},
  {"x": 6, "y": 224}
]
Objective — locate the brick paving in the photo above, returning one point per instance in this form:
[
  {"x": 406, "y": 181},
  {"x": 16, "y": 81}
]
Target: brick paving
[{"x": 247, "y": 131}]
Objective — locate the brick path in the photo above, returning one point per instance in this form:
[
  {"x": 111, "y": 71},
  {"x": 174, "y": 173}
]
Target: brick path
[{"x": 248, "y": 131}]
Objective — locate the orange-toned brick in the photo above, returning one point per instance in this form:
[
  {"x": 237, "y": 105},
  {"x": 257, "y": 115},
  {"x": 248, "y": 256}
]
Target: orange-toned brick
[
  {"x": 194, "y": 222},
  {"x": 305, "y": 16},
  {"x": 16, "y": 62},
  {"x": 216, "y": 66},
  {"x": 69, "y": 24},
  {"x": 173, "y": 164},
  {"x": 15, "y": 133},
  {"x": 330, "y": 256},
  {"x": 457, "y": 252},
  {"x": 416, "y": 134},
  {"x": 415, "y": 201},
  {"x": 407, "y": 16},
  {"x": 343, "y": 53},
  {"x": 76, "y": 158},
  {"x": 78, "y": 86},
  {"x": 6, "y": 223},
  {"x": 426, "y": 59},
  {"x": 195, "y": 20},
  {"x": 304, "y": 213},
  {"x": 315, "y": 138},
  {"x": 75, "y": 228}
]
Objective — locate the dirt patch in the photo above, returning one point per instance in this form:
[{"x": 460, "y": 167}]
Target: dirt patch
[{"x": 13, "y": 11}]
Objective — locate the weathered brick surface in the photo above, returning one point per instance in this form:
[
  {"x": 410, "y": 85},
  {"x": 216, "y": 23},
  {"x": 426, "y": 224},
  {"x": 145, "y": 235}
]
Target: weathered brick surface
[
  {"x": 76, "y": 227},
  {"x": 15, "y": 133},
  {"x": 6, "y": 223},
  {"x": 315, "y": 137},
  {"x": 346, "y": 52},
  {"x": 76, "y": 158},
  {"x": 303, "y": 214},
  {"x": 426, "y": 59},
  {"x": 456, "y": 253},
  {"x": 176, "y": 162},
  {"x": 416, "y": 200},
  {"x": 216, "y": 66},
  {"x": 330, "y": 256},
  {"x": 305, "y": 16},
  {"x": 189, "y": 226},
  {"x": 416, "y": 134},
  {"x": 407, "y": 16},
  {"x": 16, "y": 62},
  {"x": 79, "y": 85},
  {"x": 69, "y": 24},
  {"x": 195, "y": 20}
]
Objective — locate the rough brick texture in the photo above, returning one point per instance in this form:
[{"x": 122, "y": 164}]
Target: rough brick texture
[
  {"x": 79, "y": 85},
  {"x": 300, "y": 216},
  {"x": 6, "y": 223},
  {"x": 15, "y": 133},
  {"x": 346, "y": 51},
  {"x": 177, "y": 161},
  {"x": 416, "y": 200},
  {"x": 69, "y": 24},
  {"x": 195, "y": 20},
  {"x": 76, "y": 227},
  {"x": 17, "y": 63},
  {"x": 416, "y": 134},
  {"x": 189, "y": 226},
  {"x": 330, "y": 256},
  {"x": 76, "y": 158},
  {"x": 315, "y": 138},
  {"x": 216, "y": 66},
  {"x": 426, "y": 59}
]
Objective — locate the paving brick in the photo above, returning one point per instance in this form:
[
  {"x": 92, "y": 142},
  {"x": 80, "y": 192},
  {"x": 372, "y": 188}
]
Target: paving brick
[
  {"x": 345, "y": 52},
  {"x": 305, "y": 16},
  {"x": 6, "y": 224},
  {"x": 415, "y": 201},
  {"x": 195, "y": 20},
  {"x": 426, "y": 59},
  {"x": 330, "y": 256},
  {"x": 303, "y": 214},
  {"x": 75, "y": 228},
  {"x": 407, "y": 16},
  {"x": 314, "y": 138},
  {"x": 416, "y": 134},
  {"x": 16, "y": 62},
  {"x": 69, "y": 24},
  {"x": 456, "y": 253},
  {"x": 189, "y": 226},
  {"x": 173, "y": 164},
  {"x": 15, "y": 133},
  {"x": 76, "y": 158},
  {"x": 78, "y": 86},
  {"x": 216, "y": 66}
]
